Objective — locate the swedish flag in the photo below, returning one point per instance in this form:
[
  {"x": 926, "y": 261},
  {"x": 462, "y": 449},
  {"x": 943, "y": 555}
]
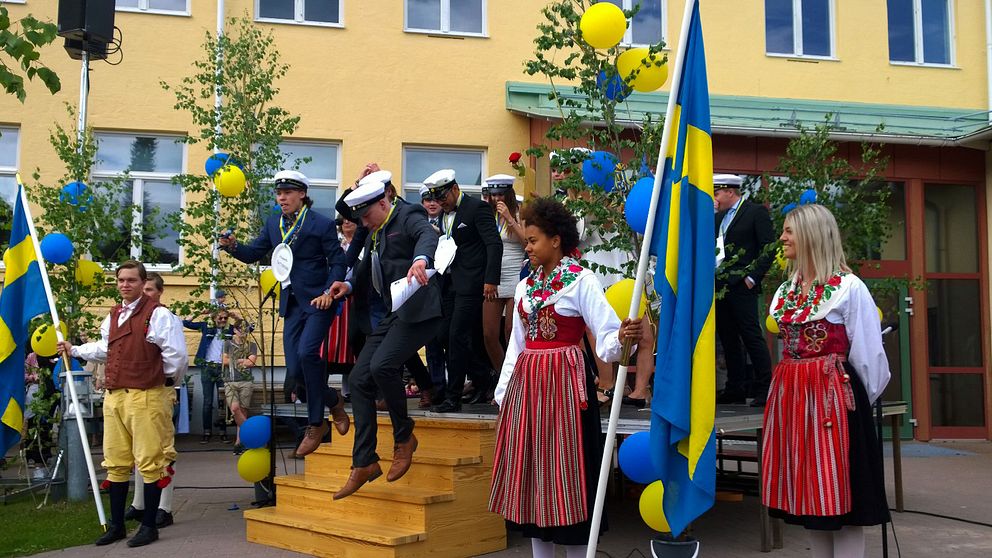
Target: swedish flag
[
  {"x": 684, "y": 405},
  {"x": 23, "y": 298}
]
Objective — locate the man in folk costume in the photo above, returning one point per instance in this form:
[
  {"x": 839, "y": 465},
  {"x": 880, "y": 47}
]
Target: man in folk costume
[
  {"x": 309, "y": 242},
  {"x": 143, "y": 346},
  {"x": 400, "y": 246}
]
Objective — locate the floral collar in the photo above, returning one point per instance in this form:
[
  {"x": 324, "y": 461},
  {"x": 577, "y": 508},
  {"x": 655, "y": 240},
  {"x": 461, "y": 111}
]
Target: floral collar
[
  {"x": 791, "y": 306},
  {"x": 543, "y": 291}
]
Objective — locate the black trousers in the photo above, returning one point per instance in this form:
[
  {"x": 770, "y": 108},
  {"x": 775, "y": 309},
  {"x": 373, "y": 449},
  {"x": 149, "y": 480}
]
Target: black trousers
[
  {"x": 462, "y": 315},
  {"x": 379, "y": 367},
  {"x": 737, "y": 324},
  {"x": 303, "y": 334}
]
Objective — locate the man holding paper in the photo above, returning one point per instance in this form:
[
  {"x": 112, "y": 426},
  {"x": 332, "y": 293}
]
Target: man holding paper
[{"x": 400, "y": 246}]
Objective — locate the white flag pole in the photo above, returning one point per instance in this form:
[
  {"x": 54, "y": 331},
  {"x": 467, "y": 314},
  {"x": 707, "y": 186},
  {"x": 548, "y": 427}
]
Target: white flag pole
[
  {"x": 642, "y": 268},
  {"x": 66, "y": 365}
]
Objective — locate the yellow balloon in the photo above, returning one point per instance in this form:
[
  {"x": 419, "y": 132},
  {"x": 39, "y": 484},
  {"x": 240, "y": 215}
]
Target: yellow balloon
[
  {"x": 603, "y": 25},
  {"x": 651, "y": 508},
  {"x": 230, "y": 181},
  {"x": 619, "y": 296},
  {"x": 88, "y": 273},
  {"x": 642, "y": 70},
  {"x": 771, "y": 325},
  {"x": 253, "y": 465},
  {"x": 880, "y": 315},
  {"x": 265, "y": 282},
  {"x": 43, "y": 340}
]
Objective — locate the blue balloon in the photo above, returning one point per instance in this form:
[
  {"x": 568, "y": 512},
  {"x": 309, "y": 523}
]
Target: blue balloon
[
  {"x": 600, "y": 170},
  {"x": 788, "y": 208},
  {"x": 635, "y": 459},
  {"x": 56, "y": 248},
  {"x": 76, "y": 194},
  {"x": 255, "y": 432},
  {"x": 74, "y": 365},
  {"x": 638, "y": 203},
  {"x": 613, "y": 88},
  {"x": 218, "y": 160},
  {"x": 809, "y": 196}
]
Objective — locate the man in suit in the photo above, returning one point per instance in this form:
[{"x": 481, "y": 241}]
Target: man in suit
[
  {"x": 471, "y": 277},
  {"x": 400, "y": 245},
  {"x": 743, "y": 229},
  {"x": 318, "y": 262}
]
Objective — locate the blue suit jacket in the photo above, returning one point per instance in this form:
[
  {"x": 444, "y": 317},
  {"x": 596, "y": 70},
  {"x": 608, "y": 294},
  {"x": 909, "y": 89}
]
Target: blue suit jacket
[{"x": 318, "y": 260}]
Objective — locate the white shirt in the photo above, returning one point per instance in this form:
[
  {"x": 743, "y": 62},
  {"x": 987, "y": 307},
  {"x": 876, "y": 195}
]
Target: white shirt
[
  {"x": 164, "y": 330},
  {"x": 215, "y": 350}
]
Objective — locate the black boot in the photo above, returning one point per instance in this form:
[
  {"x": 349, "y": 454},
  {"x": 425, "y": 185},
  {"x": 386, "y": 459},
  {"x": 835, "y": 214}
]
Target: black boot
[
  {"x": 145, "y": 535},
  {"x": 115, "y": 530},
  {"x": 148, "y": 532},
  {"x": 114, "y": 533}
]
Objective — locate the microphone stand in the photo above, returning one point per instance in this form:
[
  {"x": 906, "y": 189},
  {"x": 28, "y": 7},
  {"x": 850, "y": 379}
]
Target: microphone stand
[{"x": 269, "y": 481}]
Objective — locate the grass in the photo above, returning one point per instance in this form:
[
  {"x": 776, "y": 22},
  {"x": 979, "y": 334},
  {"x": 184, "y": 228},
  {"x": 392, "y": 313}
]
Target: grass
[{"x": 28, "y": 530}]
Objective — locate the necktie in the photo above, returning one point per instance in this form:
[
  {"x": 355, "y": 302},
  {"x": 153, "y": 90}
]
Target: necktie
[{"x": 376, "y": 272}]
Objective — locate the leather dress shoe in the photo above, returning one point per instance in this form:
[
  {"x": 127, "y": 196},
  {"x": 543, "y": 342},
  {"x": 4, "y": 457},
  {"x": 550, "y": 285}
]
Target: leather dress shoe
[
  {"x": 358, "y": 477},
  {"x": 312, "y": 438},
  {"x": 340, "y": 418},
  {"x": 163, "y": 518},
  {"x": 145, "y": 535},
  {"x": 634, "y": 402},
  {"x": 114, "y": 533},
  {"x": 480, "y": 396},
  {"x": 402, "y": 458},
  {"x": 133, "y": 514},
  {"x": 447, "y": 407}
]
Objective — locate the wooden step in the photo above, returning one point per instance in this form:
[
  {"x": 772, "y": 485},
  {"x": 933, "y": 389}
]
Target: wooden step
[
  {"x": 319, "y": 536},
  {"x": 376, "y": 490},
  {"x": 430, "y": 469},
  {"x": 458, "y": 436}
]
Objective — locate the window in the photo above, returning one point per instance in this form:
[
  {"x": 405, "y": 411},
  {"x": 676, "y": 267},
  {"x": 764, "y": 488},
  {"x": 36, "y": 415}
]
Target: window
[
  {"x": 8, "y": 182},
  {"x": 421, "y": 162},
  {"x": 151, "y": 162},
  {"x": 309, "y": 12},
  {"x": 455, "y": 17},
  {"x": 154, "y": 6},
  {"x": 322, "y": 169},
  {"x": 648, "y": 25},
  {"x": 799, "y": 28},
  {"x": 920, "y": 31}
]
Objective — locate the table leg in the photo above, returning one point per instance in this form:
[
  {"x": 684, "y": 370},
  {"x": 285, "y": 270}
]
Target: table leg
[
  {"x": 777, "y": 534},
  {"x": 766, "y": 528},
  {"x": 897, "y": 461}
]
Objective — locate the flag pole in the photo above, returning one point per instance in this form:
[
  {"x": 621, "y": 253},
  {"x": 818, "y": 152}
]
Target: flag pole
[
  {"x": 66, "y": 365},
  {"x": 642, "y": 270}
]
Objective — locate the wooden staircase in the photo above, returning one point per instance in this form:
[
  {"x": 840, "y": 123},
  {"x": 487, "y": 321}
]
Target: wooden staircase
[{"x": 438, "y": 509}]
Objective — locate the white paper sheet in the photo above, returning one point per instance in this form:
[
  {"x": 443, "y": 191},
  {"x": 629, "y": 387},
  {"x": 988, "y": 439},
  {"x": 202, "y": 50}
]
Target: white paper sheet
[{"x": 400, "y": 291}]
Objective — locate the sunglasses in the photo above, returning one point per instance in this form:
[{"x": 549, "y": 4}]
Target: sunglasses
[{"x": 439, "y": 196}]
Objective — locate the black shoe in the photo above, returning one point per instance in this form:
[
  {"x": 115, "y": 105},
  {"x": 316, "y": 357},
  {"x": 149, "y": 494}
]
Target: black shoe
[
  {"x": 634, "y": 402},
  {"x": 480, "y": 396},
  {"x": 447, "y": 407},
  {"x": 758, "y": 402},
  {"x": 113, "y": 534},
  {"x": 347, "y": 398},
  {"x": 133, "y": 514},
  {"x": 206, "y": 438},
  {"x": 145, "y": 535},
  {"x": 163, "y": 518},
  {"x": 239, "y": 448},
  {"x": 729, "y": 398},
  {"x": 470, "y": 395},
  {"x": 224, "y": 439}
]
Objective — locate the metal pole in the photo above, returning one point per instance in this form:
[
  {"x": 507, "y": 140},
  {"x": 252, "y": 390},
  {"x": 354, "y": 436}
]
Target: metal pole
[
  {"x": 84, "y": 91},
  {"x": 215, "y": 248}
]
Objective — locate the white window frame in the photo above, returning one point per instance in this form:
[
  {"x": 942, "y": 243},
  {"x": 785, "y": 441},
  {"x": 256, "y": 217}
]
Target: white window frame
[
  {"x": 300, "y": 16},
  {"x": 414, "y": 187},
  {"x": 628, "y": 36},
  {"x": 319, "y": 182},
  {"x": 446, "y": 21},
  {"x": 144, "y": 9},
  {"x": 11, "y": 171},
  {"x": 797, "y": 34},
  {"x": 137, "y": 179},
  {"x": 918, "y": 39}
]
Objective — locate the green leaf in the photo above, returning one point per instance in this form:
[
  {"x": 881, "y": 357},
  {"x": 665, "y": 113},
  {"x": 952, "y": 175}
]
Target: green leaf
[{"x": 50, "y": 79}]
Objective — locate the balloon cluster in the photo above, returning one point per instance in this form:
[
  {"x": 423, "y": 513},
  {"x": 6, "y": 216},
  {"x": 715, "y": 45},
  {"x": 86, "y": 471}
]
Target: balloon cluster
[
  {"x": 254, "y": 464},
  {"x": 57, "y": 248},
  {"x": 635, "y": 462},
  {"x": 227, "y": 173},
  {"x": 603, "y": 26}
]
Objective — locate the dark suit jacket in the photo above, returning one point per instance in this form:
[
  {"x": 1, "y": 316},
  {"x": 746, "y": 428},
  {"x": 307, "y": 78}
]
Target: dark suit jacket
[
  {"x": 480, "y": 249},
  {"x": 208, "y": 331},
  {"x": 318, "y": 260},
  {"x": 406, "y": 236},
  {"x": 750, "y": 231}
]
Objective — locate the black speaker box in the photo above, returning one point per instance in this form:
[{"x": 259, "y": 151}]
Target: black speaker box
[
  {"x": 87, "y": 20},
  {"x": 98, "y": 51}
]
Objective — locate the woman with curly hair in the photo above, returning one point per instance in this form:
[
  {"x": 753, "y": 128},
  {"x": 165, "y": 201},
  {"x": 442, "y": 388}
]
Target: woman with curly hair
[{"x": 548, "y": 435}]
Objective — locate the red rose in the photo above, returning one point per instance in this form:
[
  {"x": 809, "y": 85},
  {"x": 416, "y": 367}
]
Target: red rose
[
  {"x": 834, "y": 281},
  {"x": 514, "y": 157},
  {"x": 575, "y": 268},
  {"x": 530, "y": 281},
  {"x": 557, "y": 285}
]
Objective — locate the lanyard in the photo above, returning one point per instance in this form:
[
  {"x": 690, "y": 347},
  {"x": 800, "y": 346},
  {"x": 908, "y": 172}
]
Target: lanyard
[
  {"x": 296, "y": 224},
  {"x": 448, "y": 224},
  {"x": 375, "y": 235},
  {"x": 500, "y": 223}
]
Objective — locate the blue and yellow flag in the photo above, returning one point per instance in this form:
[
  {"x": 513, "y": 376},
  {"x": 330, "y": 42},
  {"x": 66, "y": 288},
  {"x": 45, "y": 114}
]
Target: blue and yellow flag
[
  {"x": 684, "y": 403},
  {"x": 23, "y": 298}
]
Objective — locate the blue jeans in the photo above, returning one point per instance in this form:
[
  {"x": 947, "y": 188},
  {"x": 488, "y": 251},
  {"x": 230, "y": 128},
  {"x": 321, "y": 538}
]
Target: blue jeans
[{"x": 210, "y": 381}]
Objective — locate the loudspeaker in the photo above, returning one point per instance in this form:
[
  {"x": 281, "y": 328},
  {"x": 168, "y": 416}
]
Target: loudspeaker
[
  {"x": 98, "y": 51},
  {"x": 87, "y": 20}
]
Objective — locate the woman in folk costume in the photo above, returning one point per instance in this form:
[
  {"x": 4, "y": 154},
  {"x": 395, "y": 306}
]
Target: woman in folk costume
[
  {"x": 548, "y": 435},
  {"x": 822, "y": 467}
]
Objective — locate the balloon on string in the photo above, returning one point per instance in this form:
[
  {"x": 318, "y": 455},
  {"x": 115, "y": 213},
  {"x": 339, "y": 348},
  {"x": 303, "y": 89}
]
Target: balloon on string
[
  {"x": 253, "y": 465},
  {"x": 613, "y": 87},
  {"x": 603, "y": 25},
  {"x": 638, "y": 203},
  {"x": 771, "y": 325},
  {"x": 56, "y": 248},
  {"x": 809, "y": 196},
  {"x": 88, "y": 273},
  {"x": 787, "y": 208},
  {"x": 74, "y": 365},
  {"x": 216, "y": 161},
  {"x": 635, "y": 458},
  {"x": 641, "y": 69},
  {"x": 255, "y": 431},
  {"x": 230, "y": 181},
  {"x": 600, "y": 169},
  {"x": 44, "y": 342},
  {"x": 266, "y": 281},
  {"x": 652, "y": 508},
  {"x": 76, "y": 194},
  {"x": 619, "y": 296}
]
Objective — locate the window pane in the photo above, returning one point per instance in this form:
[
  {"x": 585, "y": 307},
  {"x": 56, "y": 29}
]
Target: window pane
[
  {"x": 126, "y": 3},
  {"x": 901, "y": 31},
  {"x": 778, "y": 26},
  {"x": 8, "y": 191},
  {"x": 646, "y": 27},
  {"x": 956, "y": 400},
  {"x": 954, "y": 325},
  {"x": 466, "y": 16},
  {"x": 277, "y": 9},
  {"x": 323, "y": 200},
  {"x": 8, "y": 147},
  {"x": 421, "y": 163},
  {"x": 951, "y": 229},
  {"x": 936, "y": 32},
  {"x": 168, "y": 5},
  {"x": 894, "y": 247},
  {"x": 117, "y": 153},
  {"x": 323, "y": 164},
  {"x": 325, "y": 11},
  {"x": 816, "y": 27},
  {"x": 162, "y": 199},
  {"x": 423, "y": 14},
  {"x": 116, "y": 246}
]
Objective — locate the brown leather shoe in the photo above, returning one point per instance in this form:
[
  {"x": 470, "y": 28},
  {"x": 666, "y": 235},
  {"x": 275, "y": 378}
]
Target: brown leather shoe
[
  {"x": 402, "y": 458},
  {"x": 312, "y": 438},
  {"x": 426, "y": 398},
  {"x": 340, "y": 418},
  {"x": 358, "y": 477}
]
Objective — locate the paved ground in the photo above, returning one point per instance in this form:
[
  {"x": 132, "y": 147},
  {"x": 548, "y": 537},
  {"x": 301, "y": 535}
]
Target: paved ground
[{"x": 949, "y": 478}]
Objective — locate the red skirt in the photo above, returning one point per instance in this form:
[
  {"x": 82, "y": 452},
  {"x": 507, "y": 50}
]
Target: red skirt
[
  {"x": 539, "y": 475},
  {"x": 337, "y": 338}
]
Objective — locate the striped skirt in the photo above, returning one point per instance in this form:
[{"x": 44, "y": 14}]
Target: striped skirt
[
  {"x": 539, "y": 475},
  {"x": 336, "y": 349}
]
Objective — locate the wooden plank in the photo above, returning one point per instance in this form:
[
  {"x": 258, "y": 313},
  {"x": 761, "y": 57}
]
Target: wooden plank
[
  {"x": 382, "y": 534},
  {"x": 314, "y": 544},
  {"x": 331, "y": 484},
  {"x": 319, "y": 505},
  {"x": 424, "y": 475}
]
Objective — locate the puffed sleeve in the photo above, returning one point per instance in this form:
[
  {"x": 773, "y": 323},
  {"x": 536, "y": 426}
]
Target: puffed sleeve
[
  {"x": 513, "y": 348},
  {"x": 864, "y": 332},
  {"x": 95, "y": 351},
  {"x": 164, "y": 331},
  {"x": 600, "y": 318}
]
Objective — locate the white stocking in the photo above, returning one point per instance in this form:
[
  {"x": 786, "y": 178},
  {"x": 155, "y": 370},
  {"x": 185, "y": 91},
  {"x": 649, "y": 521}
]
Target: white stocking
[
  {"x": 576, "y": 550},
  {"x": 821, "y": 543},
  {"x": 542, "y": 549},
  {"x": 849, "y": 542},
  {"x": 139, "y": 492},
  {"x": 165, "y": 502}
]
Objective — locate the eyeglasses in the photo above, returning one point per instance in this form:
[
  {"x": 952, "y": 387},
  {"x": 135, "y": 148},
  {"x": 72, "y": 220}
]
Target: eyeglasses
[{"x": 435, "y": 196}]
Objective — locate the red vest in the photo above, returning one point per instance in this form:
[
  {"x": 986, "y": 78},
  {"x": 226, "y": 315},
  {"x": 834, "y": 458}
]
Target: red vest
[{"x": 133, "y": 362}]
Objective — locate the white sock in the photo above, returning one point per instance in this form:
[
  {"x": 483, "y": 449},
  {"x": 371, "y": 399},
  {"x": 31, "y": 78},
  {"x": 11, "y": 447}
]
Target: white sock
[
  {"x": 542, "y": 549},
  {"x": 139, "y": 492},
  {"x": 576, "y": 550},
  {"x": 165, "y": 502},
  {"x": 849, "y": 542},
  {"x": 821, "y": 543}
]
